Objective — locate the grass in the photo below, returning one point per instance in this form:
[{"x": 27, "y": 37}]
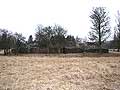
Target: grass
[{"x": 59, "y": 72}]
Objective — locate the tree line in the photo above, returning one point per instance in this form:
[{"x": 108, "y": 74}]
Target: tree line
[
  {"x": 45, "y": 37},
  {"x": 56, "y": 36}
]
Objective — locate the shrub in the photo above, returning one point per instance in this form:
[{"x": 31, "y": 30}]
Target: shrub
[
  {"x": 23, "y": 50},
  {"x": 73, "y": 50},
  {"x": 97, "y": 50}
]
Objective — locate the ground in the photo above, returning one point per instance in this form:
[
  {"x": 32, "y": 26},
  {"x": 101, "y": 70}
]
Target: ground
[{"x": 59, "y": 73}]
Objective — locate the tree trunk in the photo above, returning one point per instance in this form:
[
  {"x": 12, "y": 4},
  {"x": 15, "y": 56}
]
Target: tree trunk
[{"x": 100, "y": 43}]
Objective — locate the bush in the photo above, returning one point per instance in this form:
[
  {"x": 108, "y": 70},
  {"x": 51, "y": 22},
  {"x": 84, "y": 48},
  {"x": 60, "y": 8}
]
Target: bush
[
  {"x": 72, "y": 50},
  {"x": 23, "y": 50},
  {"x": 97, "y": 50}
]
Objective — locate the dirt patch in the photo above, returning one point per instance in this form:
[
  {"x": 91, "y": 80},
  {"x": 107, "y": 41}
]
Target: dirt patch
[{"x": 59, "y": 73}]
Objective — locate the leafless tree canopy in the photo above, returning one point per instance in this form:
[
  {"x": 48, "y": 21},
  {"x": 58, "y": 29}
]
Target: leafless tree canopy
[{"x": 101, "y": 28}]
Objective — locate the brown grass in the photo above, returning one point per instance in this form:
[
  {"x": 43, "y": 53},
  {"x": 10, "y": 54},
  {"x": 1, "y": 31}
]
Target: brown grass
[{"x": 62, "y": 72}]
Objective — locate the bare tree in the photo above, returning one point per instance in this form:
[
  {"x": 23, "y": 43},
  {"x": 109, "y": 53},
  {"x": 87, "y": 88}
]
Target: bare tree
[
  {"x": 50, "y": 37},
  {"x": 43, "y": 36},
  {"x": 20, "y": 43},
  {"x": 6, "y": 41},
  {"x": 58, "y": 39},
  {"x": 117, "y": 32},
  {"x": 101, "y": 28}
]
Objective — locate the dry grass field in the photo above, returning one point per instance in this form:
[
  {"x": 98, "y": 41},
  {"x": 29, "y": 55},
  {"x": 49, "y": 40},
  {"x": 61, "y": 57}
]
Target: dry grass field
[{"x": 59, "y": 73}]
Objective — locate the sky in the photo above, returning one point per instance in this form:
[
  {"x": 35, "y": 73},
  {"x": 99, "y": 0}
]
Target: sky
[{"x": 23, "y": 16}]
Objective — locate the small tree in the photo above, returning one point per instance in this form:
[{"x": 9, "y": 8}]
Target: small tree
[
  {"x": 30, "y": 39},
  {"x": 6, "y": 41},
  {"x": 30, "y": 43},
  {"x": 20, "y": 43},
  {"x": 100, "y": 29},
  {"x": 70, "y": 41}
]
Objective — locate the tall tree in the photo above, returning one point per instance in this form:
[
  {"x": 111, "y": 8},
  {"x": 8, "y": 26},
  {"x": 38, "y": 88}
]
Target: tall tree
[
  {"x": 50, "y": 36},
  {"x": 39, "y": 36},
  {"x": 101, "y": 28},
  {"x": 117, "y": 32},
  {"x": 58, "y": 40},
  {"x": 43, "y": 36}
]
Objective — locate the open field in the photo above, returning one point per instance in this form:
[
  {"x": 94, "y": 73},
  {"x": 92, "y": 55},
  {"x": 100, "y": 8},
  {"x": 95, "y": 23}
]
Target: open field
[{"x": 59, "y": 73}]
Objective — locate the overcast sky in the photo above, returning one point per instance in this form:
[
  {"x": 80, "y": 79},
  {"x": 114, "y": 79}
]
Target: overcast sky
[{"x": 22, "y": 16}]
